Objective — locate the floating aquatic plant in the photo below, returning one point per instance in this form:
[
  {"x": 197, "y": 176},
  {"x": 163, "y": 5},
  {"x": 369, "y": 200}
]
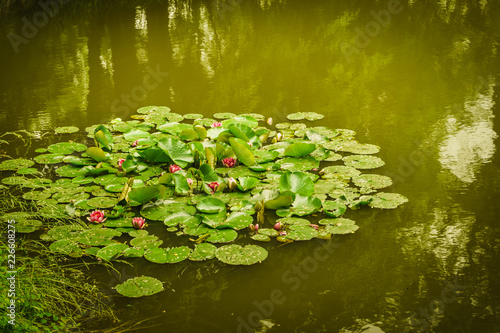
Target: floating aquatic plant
[{"x": 208, "y": 181}]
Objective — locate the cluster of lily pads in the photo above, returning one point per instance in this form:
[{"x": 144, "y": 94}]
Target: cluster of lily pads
[{"x": 208, "y": 180}]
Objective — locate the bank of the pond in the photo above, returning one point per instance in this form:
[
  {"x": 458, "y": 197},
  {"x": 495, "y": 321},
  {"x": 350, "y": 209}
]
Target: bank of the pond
[{"x": 44, "y": 291}]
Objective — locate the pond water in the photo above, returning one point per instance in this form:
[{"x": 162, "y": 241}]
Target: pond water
[{"x": 418, "y": 78}]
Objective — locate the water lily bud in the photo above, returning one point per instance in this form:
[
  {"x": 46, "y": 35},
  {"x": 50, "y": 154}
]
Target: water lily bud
[
  {"x": 138, "y": 222},
  {"x": 315, "y": 226},
  {"x": 189, "y": 181},
  {"x": 232, "y": 184},
  {"x": 135, "y": 143},
  {"x": 269, "y": 121},
  {"x": 229, "y": 162},
  {"x": 216, "y": 124},
  {"x": 173, "y": 168},
  {"x": 282, "y": 233},
  {"x": 96, "y": 216},
  {"x": 277, "y": 226},
  {"x": 254, "y": 227},
  {"x": 279, "y": 136}
]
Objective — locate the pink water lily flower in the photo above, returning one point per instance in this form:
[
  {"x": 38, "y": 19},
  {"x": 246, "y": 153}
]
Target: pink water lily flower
[
  {"x": 120, "y": 162},
  {"x": 173, "y": 168},
  {"x": 282, "y": 233},
  {"x": 189, "y": 181},
  {"x": 214, "y": 186},
  {"x": 229, "y": 162},
  {"x": 216, "y": 124},
  {"x": 135, "y": 143},
  {"x": 96, "y": 216},
  {"x": 277, "y": 226},
  {"x": 315, "y": 226},
  {"x": 138, "y": 222}
]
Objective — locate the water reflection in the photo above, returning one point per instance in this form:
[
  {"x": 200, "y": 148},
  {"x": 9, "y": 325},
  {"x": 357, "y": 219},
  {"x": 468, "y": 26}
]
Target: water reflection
[
  {"x": 277, "y": 57},
  {"x": 469, "y": 142}
]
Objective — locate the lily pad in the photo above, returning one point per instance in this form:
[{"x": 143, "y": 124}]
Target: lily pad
[
  {"x": 221, "y": 235},
  {"x": 28, "y": 171},
  {"x": 224, "y": 115},
  {"x": 66, "y": 129},
  {"x": 299, "y": 164},
  {"x": 144, "y": 194},
  {"x": 96, "y": 237},
  {"x": 159, "y": 210},
  {"x": 211, "y": 206},
  {"x": 301, "y": 206},
  {"x": 203, "y": 251},
  {"x": 146, "y": 242},
  {"x": 133, "y": 252},
  {"x": 333, "y": 208},
  {"x": 340, "y": 226},
  {"x": 340, "y": 172},
  {"x": 294, "y": 221},
  {"x": 48, "y": 158},
  {"x": 387, "y": 200},
  {"x": 66, "y": 148},
  {"x": 355, "y": 147},
  {"x": 268, "y": 232},
  {"x": 67, "y": 247},
  {"x": 16, "y": 164},
  {"x": 261, "y": 237},
  {"x": 242, "y": 151},
  {"x": 241, "y": 255},
  {"x": 363, "y": 161},
  {"x": 299, "y": 149},
  {"x": 301, "y": 232},
  {"x": 372, "y": 181},
  {"x": 139, "y": 287},
  {"x": 296, "y": 182},
  {"x": 193, "y": 116},
  {"x": 178, "y": 151},
  {"x": 247, "y": 183},
  {"x": 305, "y": 115},
  {"x": 170, "y": 255},
  {"x": 102, "y": 202},
  {"x": 111, "y": 252}
]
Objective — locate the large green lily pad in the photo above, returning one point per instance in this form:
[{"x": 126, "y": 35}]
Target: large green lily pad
[
  {"x": 301, "y": 232},
  {"x": 211, "y": 206},
  {"x": 355, "y": 147},
  {"x": 203, "y": 251},
  {"x": 333, "y": 208},
  {"x": 111, "y": 252},
  {"x": 170, "y": 255},
  {"x": 340, "y": 226},
  {"x": 305, "y": 115},
  {"x": 66, "y": 129},
  {"x": 372, "y": 181},
  {"x": 363, "y": 161},
  {"x": 139, "y": 287},
  {"x": 387, "y": 200},
  {"x": 146, "y": 242},
  {"x": 16, "y": 164},
  {"x": 241, "y": 255},
  {"x": 296, "y": 182},
  {"x": 67, "y": 247}
]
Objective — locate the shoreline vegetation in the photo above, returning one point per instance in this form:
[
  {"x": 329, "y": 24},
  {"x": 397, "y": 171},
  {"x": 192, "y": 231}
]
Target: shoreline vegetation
[{"x": 52, "y": 293}]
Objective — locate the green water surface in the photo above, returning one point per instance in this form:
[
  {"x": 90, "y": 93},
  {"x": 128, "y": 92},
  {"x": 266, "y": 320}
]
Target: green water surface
[{"x": 417, "y": 77}]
